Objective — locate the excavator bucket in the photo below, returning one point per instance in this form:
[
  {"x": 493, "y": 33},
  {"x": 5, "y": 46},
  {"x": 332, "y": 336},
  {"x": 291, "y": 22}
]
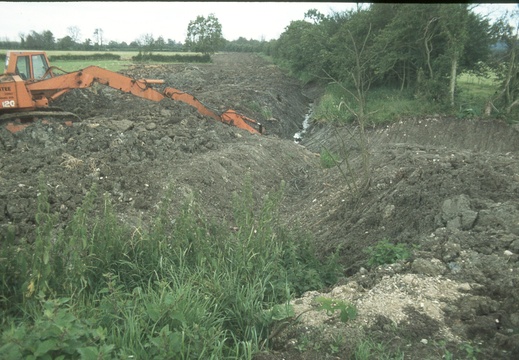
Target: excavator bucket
[{"x": 230, "y": 117}]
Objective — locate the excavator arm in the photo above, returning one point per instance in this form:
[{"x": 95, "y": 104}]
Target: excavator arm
[{"x": 45, "y": 91}]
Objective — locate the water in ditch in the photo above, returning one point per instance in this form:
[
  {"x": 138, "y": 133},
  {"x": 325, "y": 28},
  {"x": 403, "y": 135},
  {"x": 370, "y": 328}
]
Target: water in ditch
[{"x": 298, "y": 136}]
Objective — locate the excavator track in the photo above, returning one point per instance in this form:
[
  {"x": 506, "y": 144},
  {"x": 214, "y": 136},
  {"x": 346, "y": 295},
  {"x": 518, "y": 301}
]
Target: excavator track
[{"x": 18, "y": 121}]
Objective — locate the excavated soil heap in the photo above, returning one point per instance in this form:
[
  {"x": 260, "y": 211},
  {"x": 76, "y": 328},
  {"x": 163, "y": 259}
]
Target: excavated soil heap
[{"x": 447, "y": 187}]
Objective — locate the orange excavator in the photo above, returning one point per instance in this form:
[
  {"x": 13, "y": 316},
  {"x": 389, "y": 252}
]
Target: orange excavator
[{"x": 29, "y": 85}]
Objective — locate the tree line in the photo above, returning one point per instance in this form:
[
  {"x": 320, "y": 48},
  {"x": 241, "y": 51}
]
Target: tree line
[
  {"x": 419, "y": 48},
  {"x": 204, "y": 35},
  {"x": 45, "y": 40}
]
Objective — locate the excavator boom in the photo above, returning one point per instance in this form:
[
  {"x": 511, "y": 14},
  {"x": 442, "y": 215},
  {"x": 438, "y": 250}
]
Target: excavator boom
[{"x": 20, "y": 90}]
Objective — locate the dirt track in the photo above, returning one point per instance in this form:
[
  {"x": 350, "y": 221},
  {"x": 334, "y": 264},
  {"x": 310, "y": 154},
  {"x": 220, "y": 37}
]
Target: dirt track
[{"x": 448, "y": 186}]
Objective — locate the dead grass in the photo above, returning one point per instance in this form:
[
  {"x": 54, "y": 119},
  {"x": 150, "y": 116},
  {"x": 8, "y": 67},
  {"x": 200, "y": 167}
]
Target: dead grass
[{"x": 70, "y": 162}]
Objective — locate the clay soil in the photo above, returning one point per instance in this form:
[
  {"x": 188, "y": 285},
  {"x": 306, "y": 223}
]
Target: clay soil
[{"x": 446, "y": 187}]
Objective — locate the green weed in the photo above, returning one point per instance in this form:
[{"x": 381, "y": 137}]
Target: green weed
[
  {"x": 369, "y": 349},
  {"x": 56, "y": 333},
  {"x": 347, "y": 311},
  {"x": 385, "y": 252},
  {"x": 189, "y": 288}
]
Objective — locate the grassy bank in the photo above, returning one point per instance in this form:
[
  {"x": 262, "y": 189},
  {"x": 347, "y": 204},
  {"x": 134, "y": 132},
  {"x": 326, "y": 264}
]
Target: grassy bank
[
  {"x": 385, "y": 105},
  {"x": 182, "y": 288}
]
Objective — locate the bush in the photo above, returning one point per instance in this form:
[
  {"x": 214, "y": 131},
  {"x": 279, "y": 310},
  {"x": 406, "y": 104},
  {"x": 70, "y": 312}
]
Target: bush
[
  {"x": 386, "y": 253},
  {"x": 55, "y": 334}
]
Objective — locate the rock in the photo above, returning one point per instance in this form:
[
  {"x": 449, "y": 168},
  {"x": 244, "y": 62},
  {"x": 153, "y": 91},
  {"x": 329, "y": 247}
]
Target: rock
[
  {"x": 151, "y": 126},
  {"x": 121, "y": 125},
  {"x": 433, "y": 267},
  {"x": 514, "y": 319},
  {"x": 457, "y": 214},
  {"x": 454, "y": 267},
  {"x": 510, "y": 343},
  {"x": 500, "y": 215},
  {"x": 465, "y": 287},
  {"x": 165, "y": 113},
  {"x": 451, "y": 251},
  {"x": 388, "y": 211},
  {"x": 514, "y": 246}
]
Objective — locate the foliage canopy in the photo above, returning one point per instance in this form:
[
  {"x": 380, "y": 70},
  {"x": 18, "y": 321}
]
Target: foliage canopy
[
  {"x": 417, "y": 47},
  {"x": 204, "y": 35}
]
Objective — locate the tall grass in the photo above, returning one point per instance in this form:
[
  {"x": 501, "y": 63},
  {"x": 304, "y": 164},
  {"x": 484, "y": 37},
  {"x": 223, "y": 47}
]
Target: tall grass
[
  {"x": 383, "y": 105},
  {"x": 182, "y": 288},
  {"x": 386, "y": 105}
]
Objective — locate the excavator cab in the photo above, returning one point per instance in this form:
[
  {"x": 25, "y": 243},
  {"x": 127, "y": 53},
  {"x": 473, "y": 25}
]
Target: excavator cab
[{"x": 28, "y": 65}]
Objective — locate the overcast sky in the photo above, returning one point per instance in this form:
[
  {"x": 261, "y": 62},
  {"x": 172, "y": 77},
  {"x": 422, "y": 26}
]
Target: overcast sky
[{"x": 129, "y": 21}]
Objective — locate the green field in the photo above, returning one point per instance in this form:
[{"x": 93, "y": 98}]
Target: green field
[{"x": 113, "y": 65}]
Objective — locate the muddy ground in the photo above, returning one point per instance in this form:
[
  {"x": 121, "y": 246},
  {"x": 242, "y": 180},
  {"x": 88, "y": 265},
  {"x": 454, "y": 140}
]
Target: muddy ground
[{"x": 447, "y": 187}]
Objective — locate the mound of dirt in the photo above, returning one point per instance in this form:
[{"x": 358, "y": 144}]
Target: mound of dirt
[
  {"x": 135, "y": 149},
  {"x": 446, "y": 187}
]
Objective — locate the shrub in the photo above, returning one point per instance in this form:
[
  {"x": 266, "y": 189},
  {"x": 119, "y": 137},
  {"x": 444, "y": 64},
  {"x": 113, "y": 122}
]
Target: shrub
[
  {"x": 347, "y": 311},
  {"x": 55, "y": 334},
  {"x": 385, "y": 252}
]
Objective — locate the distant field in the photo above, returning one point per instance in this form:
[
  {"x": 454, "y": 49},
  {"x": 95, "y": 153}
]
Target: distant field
[
  {"x": 475, "y": 91},
  {"x": 113, "y": 65}
]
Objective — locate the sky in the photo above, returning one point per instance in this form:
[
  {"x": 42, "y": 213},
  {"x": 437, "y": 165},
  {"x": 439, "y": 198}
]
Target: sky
[{"x": 130, "y": 21}]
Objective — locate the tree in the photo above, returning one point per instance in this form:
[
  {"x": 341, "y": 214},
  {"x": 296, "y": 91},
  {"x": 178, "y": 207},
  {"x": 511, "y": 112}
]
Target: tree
[
  {"x": 160, "y": 43},
  {"x": 454, "y": 23},
  {"x": 479, "y": 42},
  {"x": 306, "y": 46},
  {"x": 314, "y": 15},
  {"x": 114, "y": 45},
  {"x": 146, "y": 43},
  {"x": 87, "y": 44},
  {"x": 418, "y": 47},
  {"x": 74, "y": 33},
  {"x": 204, "y": 35},
  {"x": 174, "y": 46},
  {"x": 65, "y": 43},
  {"x": 507, "y": 63},
  {"x": 39, "y": 41},
  {"x": 98, "y": 36}
]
